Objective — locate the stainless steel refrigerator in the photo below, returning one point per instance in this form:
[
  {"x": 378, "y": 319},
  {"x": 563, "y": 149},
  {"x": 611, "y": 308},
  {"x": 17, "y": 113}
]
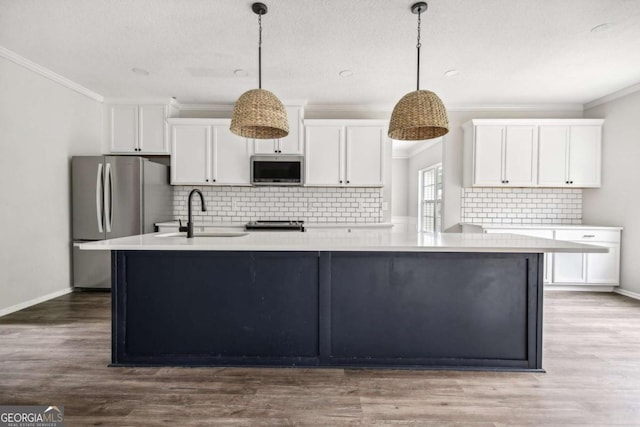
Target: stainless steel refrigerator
[{"x": 113, "y": 196}]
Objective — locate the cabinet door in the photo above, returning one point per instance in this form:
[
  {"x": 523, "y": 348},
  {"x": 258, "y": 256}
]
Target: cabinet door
[
  {"x": 324, "y": 160},
  {"x": 584, "y": 156},
  {"x": 124, "y": 128},
  {"x": 553, "y": 146},
  {"x": 604, "y": 268},
  {"x": 520, "y": 156},
  {"x": 231, "y": 157},
  {"x": 365, "y": 154},
  {"x": 488, "y": 161},
  {"x": 265, "y": 146},
  {"x": 290, "y": 144},
  {"x": 191, "y": 154},
  {"x": 569, "y": 268},
  {"x": 153, "y": 129}
]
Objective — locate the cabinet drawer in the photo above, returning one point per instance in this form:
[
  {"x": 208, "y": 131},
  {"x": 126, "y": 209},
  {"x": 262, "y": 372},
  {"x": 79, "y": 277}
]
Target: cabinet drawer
[
  {"x": 587, "y": 235},
  {"x": 545, "y": 234}
]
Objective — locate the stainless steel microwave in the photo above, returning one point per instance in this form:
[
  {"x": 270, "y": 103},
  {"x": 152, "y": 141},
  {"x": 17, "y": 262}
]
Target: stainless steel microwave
[{"x": 277, "y": 170}]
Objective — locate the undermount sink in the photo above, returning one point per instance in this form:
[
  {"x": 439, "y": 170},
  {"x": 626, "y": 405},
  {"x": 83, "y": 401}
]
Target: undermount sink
[{"x": 206, "y": 234}]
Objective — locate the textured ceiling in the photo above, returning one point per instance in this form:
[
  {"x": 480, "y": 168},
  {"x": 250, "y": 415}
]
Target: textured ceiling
[{"x": 507, "y": 51}]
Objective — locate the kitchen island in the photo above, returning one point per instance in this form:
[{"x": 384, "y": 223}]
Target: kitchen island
[{"x": 329, "y": 299}]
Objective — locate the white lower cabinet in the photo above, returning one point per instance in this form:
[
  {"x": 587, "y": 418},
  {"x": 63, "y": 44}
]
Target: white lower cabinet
[
  {"x": 581, "y": 269},
  {"x": 593, "y": 268}
]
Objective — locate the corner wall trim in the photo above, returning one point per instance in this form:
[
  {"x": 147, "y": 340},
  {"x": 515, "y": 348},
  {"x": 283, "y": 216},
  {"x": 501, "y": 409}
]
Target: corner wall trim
[
  {"x": 45, "y": 72},
  {"x": 612, "y": 96},
  {"x": 23, "y": 305},
  {"x": 627, "y": 293}
]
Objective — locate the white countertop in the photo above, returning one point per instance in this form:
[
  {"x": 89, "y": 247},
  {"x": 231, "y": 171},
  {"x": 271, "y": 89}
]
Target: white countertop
[
  {"x": 341, "y": 240},
  {"x": 542, "y": 226},
  {"x": 306, "y": 225}
]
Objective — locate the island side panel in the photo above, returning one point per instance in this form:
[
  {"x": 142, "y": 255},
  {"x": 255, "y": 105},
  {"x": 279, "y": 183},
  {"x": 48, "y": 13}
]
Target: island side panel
[
  {"x": 209, "y": 308},
  {"x": 435, "y": 309}
]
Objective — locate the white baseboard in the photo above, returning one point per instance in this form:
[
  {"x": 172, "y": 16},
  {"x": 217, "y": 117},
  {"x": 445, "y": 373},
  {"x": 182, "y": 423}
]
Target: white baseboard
[
  {"x": 627, "y": 293},
  {"x": 23, "y": 305},
  {"x": 579, "y": 288}
]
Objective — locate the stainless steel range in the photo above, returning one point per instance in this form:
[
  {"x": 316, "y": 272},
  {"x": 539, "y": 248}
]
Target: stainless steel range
[{"x": 275, "y": 225}]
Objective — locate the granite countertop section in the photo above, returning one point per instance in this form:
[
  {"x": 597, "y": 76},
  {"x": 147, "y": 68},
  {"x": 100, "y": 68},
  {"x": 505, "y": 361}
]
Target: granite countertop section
[
  {"x": 542, "y": 226},
  {"x": 338, "y": 240}
]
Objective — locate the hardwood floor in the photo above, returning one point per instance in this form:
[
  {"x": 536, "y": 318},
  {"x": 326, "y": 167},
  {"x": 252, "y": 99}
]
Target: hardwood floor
[{"x": 57, "y": 353}]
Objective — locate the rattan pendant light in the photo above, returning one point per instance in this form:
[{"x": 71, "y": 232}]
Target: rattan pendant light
[
  {"x": 419, "y": 114},
  {"x": 258, "y": 113}
]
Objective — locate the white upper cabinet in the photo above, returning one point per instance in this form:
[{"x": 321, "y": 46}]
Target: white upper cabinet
[
  {"x": 205, "y": 152},
  {"x": 152, "y": 136},
  {"x": 138, "y": 129},
  {"x": 190, "y": 159},
  {"x": 344, "y": 153},
  {"x": 585, "y": 151},
  {"x": 290, "y": 144},
  {"x": 231, "y": 155},
  {"x": 570, "y": 156},
  {"x": 532, "y": 153},
  {"x": 553, "y": 149},
  {"x": 504, "y": 156},
  {"x": 124, "y": 128},
  {"x": 324, "y": 159},
  {"x": 489, "y": 142},
  {"x": 365, "y": 153}
]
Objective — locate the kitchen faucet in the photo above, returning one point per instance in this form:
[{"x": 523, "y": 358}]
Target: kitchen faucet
[{"x": 189, "y": 227}]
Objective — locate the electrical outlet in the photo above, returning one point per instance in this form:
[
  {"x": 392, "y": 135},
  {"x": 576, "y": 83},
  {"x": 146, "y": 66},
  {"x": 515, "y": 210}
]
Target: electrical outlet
[
  {"x": 385, "y": 206},
  {"x": 234, "y": 204}
]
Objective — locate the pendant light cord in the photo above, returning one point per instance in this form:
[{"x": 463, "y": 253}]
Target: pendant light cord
[
  {"x": 418, "y": 45},
  {"x": 259, "y": 51}
]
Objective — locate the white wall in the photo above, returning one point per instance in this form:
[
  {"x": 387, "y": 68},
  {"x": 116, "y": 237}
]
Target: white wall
[
  {"x": 422, "y": 160},
  {"x": 617, "y": 203},
  {"x": 399, "y": 187},
  {"x": 42, "y": 124}
]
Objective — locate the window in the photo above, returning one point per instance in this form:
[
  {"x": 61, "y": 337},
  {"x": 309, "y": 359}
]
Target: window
[{"x": 430, "y": 199}]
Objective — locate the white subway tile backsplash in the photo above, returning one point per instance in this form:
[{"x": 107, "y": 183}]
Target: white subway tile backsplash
[
  {"x": 242, "y": 204},
  {"x": 522, "y": 205}
]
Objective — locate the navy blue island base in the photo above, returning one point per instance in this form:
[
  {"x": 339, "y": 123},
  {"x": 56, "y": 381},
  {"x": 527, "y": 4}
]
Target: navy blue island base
[{"x": 327, "y": 309}]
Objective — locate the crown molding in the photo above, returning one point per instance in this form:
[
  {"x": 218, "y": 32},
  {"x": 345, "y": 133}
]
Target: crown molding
[
  {"x": 385, "y": 108},
  {"x": 229, "y": 107},
  {"x": 575, "y": 107},
  {"x": 341, "y": 108},
  {"x": 142, "y": 100},
  {"x": 45, "y": 72},
  {"x": 612, "y": 96},
  {"x": 205, "y": 107}
]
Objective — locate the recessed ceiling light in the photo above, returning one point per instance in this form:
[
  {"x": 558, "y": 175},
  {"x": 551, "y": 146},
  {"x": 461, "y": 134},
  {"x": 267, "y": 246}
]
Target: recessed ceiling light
[
  {"x": 601, "y": 27},
  {"x": 346, "y": 73},
  {"x": 140, "y": 71},
  {"x": 240, "y": 73},
  {"x": 451, "y": 73}
]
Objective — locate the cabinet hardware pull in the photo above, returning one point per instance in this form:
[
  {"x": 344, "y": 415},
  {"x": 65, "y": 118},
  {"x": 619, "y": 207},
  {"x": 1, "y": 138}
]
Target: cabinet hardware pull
[
  {"x": 348, "y": 181},
  {"x": 588, "y": 235},
  {"x": 340, "y": 181}
]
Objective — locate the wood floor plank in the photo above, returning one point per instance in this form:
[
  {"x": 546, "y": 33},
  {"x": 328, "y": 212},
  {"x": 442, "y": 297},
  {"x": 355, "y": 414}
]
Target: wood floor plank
[{"x": 58, "y": 353}]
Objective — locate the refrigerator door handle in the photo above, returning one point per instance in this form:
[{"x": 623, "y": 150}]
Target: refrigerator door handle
[
  {"x": 99, "y": 191},
  {"x": 109, "y": 200}
]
